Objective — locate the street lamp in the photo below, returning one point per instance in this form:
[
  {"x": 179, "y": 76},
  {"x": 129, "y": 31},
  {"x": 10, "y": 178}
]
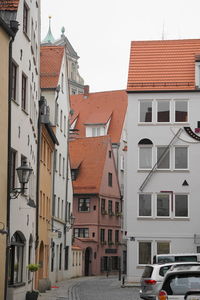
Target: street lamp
[
  {"x": 24, "y": 173},
  {"x": 70, "y": 223}
]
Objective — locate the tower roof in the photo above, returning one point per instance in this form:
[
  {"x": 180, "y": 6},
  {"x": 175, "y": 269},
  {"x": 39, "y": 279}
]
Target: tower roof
[{"x": 49, "y": 39}]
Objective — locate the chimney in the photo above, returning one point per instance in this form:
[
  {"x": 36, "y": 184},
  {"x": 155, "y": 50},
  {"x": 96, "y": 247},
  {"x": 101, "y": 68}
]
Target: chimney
[{"x": 86, "y": 91}]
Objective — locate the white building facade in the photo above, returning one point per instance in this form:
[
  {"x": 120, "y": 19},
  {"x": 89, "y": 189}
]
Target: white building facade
[
  {"x": 162, "y": 167},
  {"x": 58, "y": 101}
]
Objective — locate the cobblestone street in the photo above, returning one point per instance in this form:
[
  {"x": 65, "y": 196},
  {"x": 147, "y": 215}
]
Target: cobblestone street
[{"x": 91, "y": 288}]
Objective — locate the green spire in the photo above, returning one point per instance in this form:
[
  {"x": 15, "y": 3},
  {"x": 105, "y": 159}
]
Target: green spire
[{"x": 49, "y": 37}]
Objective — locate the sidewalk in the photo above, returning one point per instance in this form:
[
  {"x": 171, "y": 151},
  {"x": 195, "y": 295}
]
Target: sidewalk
[{"x": 63, "y": 290}]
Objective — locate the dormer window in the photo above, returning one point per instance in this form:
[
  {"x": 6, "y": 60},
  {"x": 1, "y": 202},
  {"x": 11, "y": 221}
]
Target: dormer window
[{"x": 74, "y": 174}]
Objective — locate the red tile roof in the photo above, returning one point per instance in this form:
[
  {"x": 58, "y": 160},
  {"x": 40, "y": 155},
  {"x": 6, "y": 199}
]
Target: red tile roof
[
  {"x": 97, "y": 108},
  {"x": 9, "y": 4},
  {"x": 163, "y": 65},
  {"x": 50, "y": 65},
  {"x": 91, "y": 153}
]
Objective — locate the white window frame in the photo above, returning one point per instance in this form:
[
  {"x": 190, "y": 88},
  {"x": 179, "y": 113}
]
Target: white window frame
[
  {"x": 188, "y": 204},
  {"x": 163, "y": 241},
  {"x": 174, "y": 157},
  {"x": 170, "y": 117},
  {"x": 139, "y": 108},
  {"x": 169, "y": 152},
  {"x": 144, "y": 241},
  {"x": 143, "y": 216},
  {"x": 156, "y": 206},
  {"x": 145, "y": 146},
  {"x": 174, "y": 110}
]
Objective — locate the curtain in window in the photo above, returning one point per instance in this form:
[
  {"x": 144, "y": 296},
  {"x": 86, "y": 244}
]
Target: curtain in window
[{"x": 145, "y": 157}]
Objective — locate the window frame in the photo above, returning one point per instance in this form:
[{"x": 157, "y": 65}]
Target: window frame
[
  {"x": 81, "y": 232},
  {"x": 86, "y": 203},
  {"x": 139, "y": 111},
  {"x": 157, "y": 104},
  {"x": 174, "y": 203},
  {"x": 169, "y": 205},
  {"x": 14, "y": 94},
  {"x": 181, "y": 100},
  {"x": 25, "y": 18},
  {"x": 162, "y": 242},
  {"x": 110, "y": 179},
  {"x": 168, "y": 153},
  {"x": 24, "y": 85},
  {"x": 142, "y": 146},
  {"x": 151, "y": 205},
  {"x": 138, "y": 251},
  {"x": 181, "y": 146}
]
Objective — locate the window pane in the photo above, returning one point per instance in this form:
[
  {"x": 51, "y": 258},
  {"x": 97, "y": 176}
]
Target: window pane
[
  {"x": 163, "y": 111},
  {"x": 144, "y": 252},
  {"x": 146, "y": 111},
  {"x": 181, "y": 205},
  {"x": 145, "y": 157},
  {"x": 164, "y": 163},
  {"x": 181, "y": 114},
  {"x": 163, "y": 248},
  {"x": 181, "y": 158},
  {"x": 162, "y": 205},
  {"x": 145, "y": 205}
]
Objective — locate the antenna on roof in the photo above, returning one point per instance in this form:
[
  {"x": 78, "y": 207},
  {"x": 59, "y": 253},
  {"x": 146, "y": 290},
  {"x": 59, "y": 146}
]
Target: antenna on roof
[{"x": 163, "y": 30}]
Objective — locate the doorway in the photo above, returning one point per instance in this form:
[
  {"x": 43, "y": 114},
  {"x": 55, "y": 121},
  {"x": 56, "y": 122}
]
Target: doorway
[{"x": 88, "y": 260}]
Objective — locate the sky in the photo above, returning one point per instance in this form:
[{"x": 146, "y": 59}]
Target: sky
[{"x": 101, "y": 32}]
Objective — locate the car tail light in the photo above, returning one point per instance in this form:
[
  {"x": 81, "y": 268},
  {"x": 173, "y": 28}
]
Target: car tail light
[
  {"x": 162, "y": 295},
  {"x": 150, "y": 281}
]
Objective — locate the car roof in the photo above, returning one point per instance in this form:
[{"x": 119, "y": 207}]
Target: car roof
[
  {"x": 183, "y": 268},
  {"x": 174, "y": 263}
]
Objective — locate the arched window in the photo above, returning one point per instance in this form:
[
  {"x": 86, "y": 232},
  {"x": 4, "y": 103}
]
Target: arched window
[
  {"x": 145, "y": 153},
  {"x": 16, "y": 255}
]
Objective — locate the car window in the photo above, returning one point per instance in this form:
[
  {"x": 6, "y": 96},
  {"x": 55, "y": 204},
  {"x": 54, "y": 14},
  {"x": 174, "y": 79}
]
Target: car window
[
  {"x": 166, "y": 259},
  {"x": 186, "y": 258},
  {"x": 147, "y": 272},
  {"x": 163, "y": 270},
  {"x": 180, "y": 284}
]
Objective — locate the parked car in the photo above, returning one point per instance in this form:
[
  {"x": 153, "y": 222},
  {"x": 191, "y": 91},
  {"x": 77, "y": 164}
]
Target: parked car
[
  {"x": 180, "y": 283},
  {"x": 152, "y": 278}
]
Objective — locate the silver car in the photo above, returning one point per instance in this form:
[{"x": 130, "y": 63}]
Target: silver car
[
  {"x": 181, "y": 283},
  {"x": 153, "y": 276}
]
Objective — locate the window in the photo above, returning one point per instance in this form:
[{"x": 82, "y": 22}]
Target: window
[
  {"x": 14, "y": 82},
  {"x": 146, "y": 111},
  {"x": 163, "y": 111},
  {"x": 61, "y": 120},
  {"x": 84, "y": 205},
  {"x": 109, "y": 236},
  {"x": 116, "y": 236},
  {"x": 144, "y": 253},
  {"x": 62, "y": 83},
  {"x": 25, "y": 18},
  {"x": 145, "y": 205},
  {"x": 13, "y": 168},
  {"x": 110, "y": 154},
  {"x": 145, "y": 157},
  {"x": 102, "y": 235},
  {"x": 163, "y": 247},
  {"x": 96, "y": 131},
  {"x": 163, "y": 157},
  {"x": 181, "y": 157},
  {"x": 65, "y": 126},
  {"x": 181, "y": 111},
  {"x": 181, "y": 205},
  {"x": 63, "y": 171},
  {"x": 66, "y": 257},
  {"x": 110, "y": 207},
  {"x": 57, "y": 112},
  {"x": 52, "y": 256},
  {"x": 81, "y": 232},
  {"x": 60, "y": 257},
  {"x": 58, "y": 208},
  {"x": 117, "y": 211},
  {"x": 16, "y": 262},
  {"x": 109, "y": 179},
  {"x": 163, "y": 205},
  {"x": 59, "y": 164},
  {"x": 24, "y": 92},
  {"x": 103, "y": 205}
]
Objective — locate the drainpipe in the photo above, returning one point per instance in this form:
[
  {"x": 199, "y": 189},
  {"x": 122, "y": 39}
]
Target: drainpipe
[{"x": 13, "y": 28}]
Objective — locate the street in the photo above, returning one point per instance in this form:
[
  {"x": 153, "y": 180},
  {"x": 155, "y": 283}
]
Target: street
[
  {"x": 91, "y": 288},
  {"x": 102, "y": 288}
]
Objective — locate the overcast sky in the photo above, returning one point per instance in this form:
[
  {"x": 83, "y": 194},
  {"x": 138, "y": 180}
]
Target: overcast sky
[{"x": 100, "y": 31}]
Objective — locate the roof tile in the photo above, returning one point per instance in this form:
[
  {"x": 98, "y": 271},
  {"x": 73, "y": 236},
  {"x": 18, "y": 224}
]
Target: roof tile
[
  {"x": 9, "y": 4},
  {"x": 163, "y": 65},
  {"x": 50, "y": 65}
]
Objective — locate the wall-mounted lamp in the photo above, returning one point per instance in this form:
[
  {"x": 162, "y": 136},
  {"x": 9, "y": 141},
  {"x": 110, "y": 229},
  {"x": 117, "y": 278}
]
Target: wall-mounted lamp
[
  {"x": 24, "y": 173},
  {"x": 70, "y": 223}
]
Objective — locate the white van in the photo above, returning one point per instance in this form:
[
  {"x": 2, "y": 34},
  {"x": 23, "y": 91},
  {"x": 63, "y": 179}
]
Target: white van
[{"x": 177, "y": 257}]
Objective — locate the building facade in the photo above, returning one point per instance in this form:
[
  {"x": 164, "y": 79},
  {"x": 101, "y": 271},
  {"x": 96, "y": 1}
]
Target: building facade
[
  {"x": 163, "y": 144},
  {"x": 6, "y": 36},
  {"x": 55, "y": 90},
  {"x": 96, "y": 204},
  {"x": 24, "y": 96}
]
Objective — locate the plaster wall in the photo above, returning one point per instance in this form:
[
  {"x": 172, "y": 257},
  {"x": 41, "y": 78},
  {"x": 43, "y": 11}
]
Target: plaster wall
[{"x": 178, "y": 231}]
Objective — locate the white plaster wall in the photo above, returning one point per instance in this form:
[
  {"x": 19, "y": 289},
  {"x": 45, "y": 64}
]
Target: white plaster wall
[
  {"x": 24, "y": 133},
  {"x": 180, "y": 233}
]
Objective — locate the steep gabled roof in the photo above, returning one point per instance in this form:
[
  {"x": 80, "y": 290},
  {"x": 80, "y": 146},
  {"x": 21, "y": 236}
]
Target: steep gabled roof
[
  {"x": 162, "y": 65},
  {"x": 90, "y": 155},
  {"x": 97, "y": 108},
  {"x": 50, "y": 65},
  {"x": 9, "y": 5}
]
